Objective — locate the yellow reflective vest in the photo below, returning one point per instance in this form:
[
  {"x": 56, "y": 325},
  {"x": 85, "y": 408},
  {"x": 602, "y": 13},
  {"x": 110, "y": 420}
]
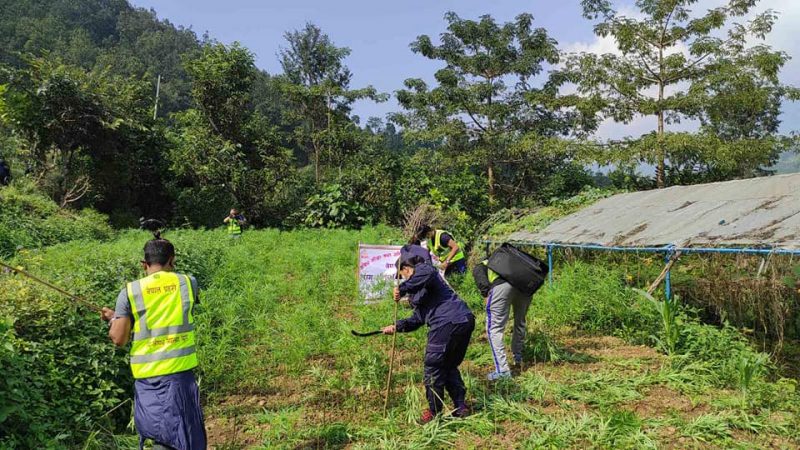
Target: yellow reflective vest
[
  {"x": 234, "y": 227},
  {"x": 441, "y": 251},
  {"x": 163, "y": 329},
  {"x": 491, "y": 274}
]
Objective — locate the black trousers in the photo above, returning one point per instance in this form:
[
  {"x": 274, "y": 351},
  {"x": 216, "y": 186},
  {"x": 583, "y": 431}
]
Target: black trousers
[{"x": 445, "y": 351}]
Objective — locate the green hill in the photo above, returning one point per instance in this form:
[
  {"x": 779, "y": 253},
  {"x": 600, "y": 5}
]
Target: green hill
[{"x": 102, "y": 34}]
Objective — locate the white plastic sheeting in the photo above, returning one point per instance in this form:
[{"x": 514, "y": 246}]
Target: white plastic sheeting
[{"x": 757, "y": 212}]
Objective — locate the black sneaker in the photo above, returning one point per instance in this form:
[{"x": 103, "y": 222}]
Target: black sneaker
[{"x": 462, "y": 411}]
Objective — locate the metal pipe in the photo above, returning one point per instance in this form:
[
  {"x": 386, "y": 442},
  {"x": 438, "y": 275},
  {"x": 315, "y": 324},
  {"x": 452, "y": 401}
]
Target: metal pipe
[
  {"x": 684, "y": 250},
  {"x": 668, "y": 276},
  {"x": 550, "y": 264}
]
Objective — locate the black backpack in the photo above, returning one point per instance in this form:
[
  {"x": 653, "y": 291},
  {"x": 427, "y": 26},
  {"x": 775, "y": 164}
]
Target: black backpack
[{"x": 523, "y": 271}]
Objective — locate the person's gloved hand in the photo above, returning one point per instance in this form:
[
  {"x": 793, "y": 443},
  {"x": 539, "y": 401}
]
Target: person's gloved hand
[{"x": 391, "y": 329}]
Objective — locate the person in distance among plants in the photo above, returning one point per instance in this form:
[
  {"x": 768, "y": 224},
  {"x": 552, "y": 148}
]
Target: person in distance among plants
[
  {"x": 158, "y": 309},
  {"x": 450, "y": 324},
  {"x": 442, "y": 244},
  {"x": 235, "y": 222}
]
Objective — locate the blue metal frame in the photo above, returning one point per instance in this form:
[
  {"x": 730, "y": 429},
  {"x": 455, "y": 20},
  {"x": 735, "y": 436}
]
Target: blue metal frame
[
  {"x": 669, "y": 251},
  {"x": 683, "y": 250}
]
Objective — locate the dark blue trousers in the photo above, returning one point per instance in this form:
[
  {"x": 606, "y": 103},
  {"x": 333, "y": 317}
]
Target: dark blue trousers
[
  {"x": 445, "y": 351},
  {"x": 457, "y": 268},
  {"x": 167, "y": 410}
]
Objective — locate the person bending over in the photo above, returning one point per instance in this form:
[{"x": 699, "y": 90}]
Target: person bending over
[
  {"x": 450, "y": 324},
  {"x": 442, "y": 244},
  {"x": 500, "y": 298}
]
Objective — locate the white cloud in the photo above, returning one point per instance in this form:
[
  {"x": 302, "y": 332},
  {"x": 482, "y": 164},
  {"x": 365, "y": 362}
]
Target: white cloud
[{"x": 600, "y": 46}]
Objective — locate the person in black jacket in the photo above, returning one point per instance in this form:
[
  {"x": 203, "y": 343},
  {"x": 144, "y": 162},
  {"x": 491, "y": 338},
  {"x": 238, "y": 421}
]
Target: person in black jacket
[
  {"x": 450, "y": 324},
  {"x": 5, "y": 173},
  {"x": 500, "y": 298}
]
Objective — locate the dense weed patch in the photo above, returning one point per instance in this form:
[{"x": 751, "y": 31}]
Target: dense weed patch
[
  {"x": 280, "y": 370},
  {"x": 29, "y": 219}
]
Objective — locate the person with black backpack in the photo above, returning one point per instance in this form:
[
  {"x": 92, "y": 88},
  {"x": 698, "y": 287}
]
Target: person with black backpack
[{"x": 524, "y": 274}]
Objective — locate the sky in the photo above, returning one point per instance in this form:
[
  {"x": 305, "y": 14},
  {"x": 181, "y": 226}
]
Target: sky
[{"x": 379, "y": 33}]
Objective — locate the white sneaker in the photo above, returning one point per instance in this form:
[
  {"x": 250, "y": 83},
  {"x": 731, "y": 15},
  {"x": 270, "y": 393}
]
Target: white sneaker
[{"x": 494, "y": 376}]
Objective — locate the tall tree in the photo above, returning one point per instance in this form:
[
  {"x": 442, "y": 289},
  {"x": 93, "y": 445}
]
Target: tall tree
[
  {"x": 676, "y": 64},
  {"x": 224, "y": 143},
  {"x": 317, "y": 85},
  {"x": 485, "y": 97},
  {"x": 79, "y": 126}
]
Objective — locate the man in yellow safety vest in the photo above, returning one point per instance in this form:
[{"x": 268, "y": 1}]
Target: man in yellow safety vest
[
  {"x": 235, "y": 222},
  {"x": 158, "y": 310}
]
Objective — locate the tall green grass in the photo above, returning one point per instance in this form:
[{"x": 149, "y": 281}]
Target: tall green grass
[{"x": 277, "y": 358}]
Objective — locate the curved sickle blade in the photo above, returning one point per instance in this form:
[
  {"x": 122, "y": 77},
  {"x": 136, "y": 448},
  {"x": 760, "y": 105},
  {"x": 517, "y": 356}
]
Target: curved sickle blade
[{"x": 371, "y": 333}]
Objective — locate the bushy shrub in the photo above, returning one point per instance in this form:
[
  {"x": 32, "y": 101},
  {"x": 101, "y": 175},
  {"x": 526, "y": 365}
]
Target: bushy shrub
[
  {"x": 725, "y": 350},
  {"x": 61, "y": 376},
  {"x": 29, "y": 220},
  {"x": 59, "y": 373},
  {"x": 332, "y": 208}
]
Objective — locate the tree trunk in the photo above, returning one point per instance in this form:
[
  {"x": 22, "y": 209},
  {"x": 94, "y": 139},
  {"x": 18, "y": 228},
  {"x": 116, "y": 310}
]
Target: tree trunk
[
  {"x": 316, "y": 163},
  {"x": 64, "y": 176},
  {"x": 490, "y": 175},
  {"x": 661, "y": 155}
]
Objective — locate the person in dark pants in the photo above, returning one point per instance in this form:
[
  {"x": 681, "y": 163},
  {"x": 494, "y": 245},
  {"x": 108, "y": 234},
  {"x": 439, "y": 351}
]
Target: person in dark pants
[
  {"x": 5, "y": 173},
  {"x": 156, "y": 314},
  {"x": 450, "y": 324}
]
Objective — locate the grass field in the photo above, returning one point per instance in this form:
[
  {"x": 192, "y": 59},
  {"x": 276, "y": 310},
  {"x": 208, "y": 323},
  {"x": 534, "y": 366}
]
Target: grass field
[{"x": 279, "y": 368}]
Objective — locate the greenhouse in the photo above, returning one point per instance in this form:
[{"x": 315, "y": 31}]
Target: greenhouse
[{"x": 757, "y": 216}]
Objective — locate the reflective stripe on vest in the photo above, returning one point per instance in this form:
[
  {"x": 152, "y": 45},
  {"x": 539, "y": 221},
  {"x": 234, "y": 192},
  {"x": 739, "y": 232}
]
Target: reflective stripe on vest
[
  {"x": 491, "y": 273},
  {"x": 442, "y": 252},
  {"x": 163, "y": 329},
  {"x": 234, "y": 227}
]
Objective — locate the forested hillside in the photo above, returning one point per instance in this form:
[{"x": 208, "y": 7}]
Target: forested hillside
[{"x": 101, "y": 34}]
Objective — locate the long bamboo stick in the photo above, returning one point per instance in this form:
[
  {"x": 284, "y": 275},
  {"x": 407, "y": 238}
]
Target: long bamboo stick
[
  {"x": 75, "y": 298},
  {"x": 391, "y": 361}
]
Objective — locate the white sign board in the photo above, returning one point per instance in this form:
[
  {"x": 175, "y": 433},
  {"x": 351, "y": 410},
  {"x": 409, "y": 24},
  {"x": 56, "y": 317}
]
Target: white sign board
[{"x": 376, "y": 269}]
